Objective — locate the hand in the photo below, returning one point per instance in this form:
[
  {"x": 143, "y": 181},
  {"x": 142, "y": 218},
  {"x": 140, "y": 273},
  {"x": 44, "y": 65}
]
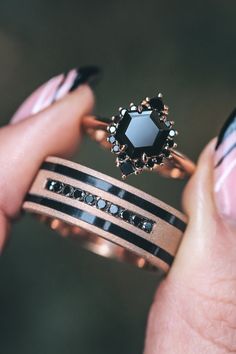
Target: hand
[
  {"x": 194, "y": 310},
  {"x": 47, "y": 123}
]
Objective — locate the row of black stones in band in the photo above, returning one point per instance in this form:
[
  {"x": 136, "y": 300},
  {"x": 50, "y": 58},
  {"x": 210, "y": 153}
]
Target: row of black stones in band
[{"x": 102, "y": 204}]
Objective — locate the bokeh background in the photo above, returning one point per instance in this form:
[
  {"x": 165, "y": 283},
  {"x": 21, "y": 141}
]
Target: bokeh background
[{"x": 54, "y": 296}]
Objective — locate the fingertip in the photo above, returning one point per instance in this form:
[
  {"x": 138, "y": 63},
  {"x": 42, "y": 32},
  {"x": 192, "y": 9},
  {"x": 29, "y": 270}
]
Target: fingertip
[
  {"x": 83, "y": 98},
  {"x": 204, "y": 224}
]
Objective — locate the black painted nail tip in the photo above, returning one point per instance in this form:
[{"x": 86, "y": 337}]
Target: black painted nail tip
[
  {"x": 228, "y": 127},
  {"x": 87, "y": 74}
]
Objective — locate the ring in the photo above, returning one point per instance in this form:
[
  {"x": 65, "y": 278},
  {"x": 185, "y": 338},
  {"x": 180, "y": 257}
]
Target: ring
[
  {"x": 142, "y": 138},
  {"x": 107, "y": 216}
]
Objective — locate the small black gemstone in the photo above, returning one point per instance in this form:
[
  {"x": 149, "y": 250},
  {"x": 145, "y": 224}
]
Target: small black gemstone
[
  {"x": 116, "y": 119},
  {"x": 156, "y": 102},
  {"x": 145, "y": 107},
  {"x": 139, "y": 164},
  {"x": 68, "y": 191},
  {"x": 49, "y": 184},
  {"x": 101, "y": 204},
  {"x": 112, "y": 139},
  {"x": 126, "y": 215},
  {"x": 54, "y": 186},
  {"x": 147, "y": 226},
  {"x": 122, "y": 156},
  {"x": 113, "y": 209},
  {"x": 136, "y": 220},
  {"x": 126, "y": 168},
  {"x": 89, "y": 199},
  {"x": 171, "y": 143},
  {"x": 150, "y": 163},
  {"x": 158, "y": 160},
  {"x": 78, "y": 194},
  {"x": 166, "y": 153},
  {"x": 116, "y": 149}
]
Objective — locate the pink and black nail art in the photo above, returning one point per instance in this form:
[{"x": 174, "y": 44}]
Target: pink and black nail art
[
  {"x": 55, "y": 89},
  {"x": 225, "y": 169}
]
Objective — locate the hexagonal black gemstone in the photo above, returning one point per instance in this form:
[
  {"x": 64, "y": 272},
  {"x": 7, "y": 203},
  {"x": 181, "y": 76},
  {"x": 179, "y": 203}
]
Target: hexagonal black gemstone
[
  {"x": 156, "y": 102},
  {"x": 101, "y": 204},
  {"x": 113, "y": 209},
  {"x": 142, "y": 133},
  {"x": 127, "y": 168}
]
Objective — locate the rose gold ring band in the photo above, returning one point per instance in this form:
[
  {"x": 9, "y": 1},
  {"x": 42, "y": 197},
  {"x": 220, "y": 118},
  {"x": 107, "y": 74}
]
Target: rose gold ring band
[
  {"x": 106, "y": 215},
  {"x": 178, "y": 167}
]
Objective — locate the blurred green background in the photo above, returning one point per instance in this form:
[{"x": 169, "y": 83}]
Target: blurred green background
[{"x": 54, "y": 296}]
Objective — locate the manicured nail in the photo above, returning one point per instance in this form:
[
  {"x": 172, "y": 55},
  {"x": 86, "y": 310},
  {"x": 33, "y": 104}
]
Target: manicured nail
[
  {"x": 55, "y": 89},
  {"x": 87, "y": 74},
  {"x": 225, "y": 170}
]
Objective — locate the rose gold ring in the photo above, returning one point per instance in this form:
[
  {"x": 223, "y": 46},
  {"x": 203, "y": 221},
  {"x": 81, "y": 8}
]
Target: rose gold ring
[
  {"x": 107, "y": 216},
  {"x": 141, "y": 138}
]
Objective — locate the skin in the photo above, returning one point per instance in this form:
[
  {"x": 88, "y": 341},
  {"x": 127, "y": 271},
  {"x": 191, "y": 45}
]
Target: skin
[{"x": 194, "y": 309}]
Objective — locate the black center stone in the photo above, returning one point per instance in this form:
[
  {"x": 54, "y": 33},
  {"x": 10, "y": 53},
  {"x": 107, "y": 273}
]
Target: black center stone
[{"x": 142, "y": 133}]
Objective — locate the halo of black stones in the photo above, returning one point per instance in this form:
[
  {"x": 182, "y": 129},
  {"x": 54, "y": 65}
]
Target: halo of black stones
[
  {"x": 113, "y": 209},
  {"x": 127, "y": 164}
]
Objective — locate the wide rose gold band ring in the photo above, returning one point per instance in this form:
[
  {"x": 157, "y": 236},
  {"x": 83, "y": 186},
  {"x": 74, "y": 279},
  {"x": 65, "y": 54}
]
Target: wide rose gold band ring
[
  {"x": 107, "y": 216},
  {"x": 179, "y": 166}
]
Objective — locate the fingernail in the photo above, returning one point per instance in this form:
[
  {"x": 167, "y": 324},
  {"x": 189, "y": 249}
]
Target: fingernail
[
  {"x": 55, "y": 89},
  {"x": 225, "y": 170},
  {"x": 87, "y": 74}
]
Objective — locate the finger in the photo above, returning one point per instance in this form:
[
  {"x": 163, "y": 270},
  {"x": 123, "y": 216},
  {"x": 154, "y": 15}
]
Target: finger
[
  {"x": 194, "y": 310},
  {"x": 24, "y": 144}
]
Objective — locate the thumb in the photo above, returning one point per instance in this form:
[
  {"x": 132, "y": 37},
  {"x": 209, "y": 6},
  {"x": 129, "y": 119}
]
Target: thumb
[{"x": 195, "y": 308}]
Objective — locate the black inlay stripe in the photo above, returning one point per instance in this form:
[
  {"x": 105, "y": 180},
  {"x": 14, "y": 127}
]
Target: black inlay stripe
[
  {"x": 118, "y": 192},
  {"x": 225, "y": 155},
  {"x": 104, "y": 225}
]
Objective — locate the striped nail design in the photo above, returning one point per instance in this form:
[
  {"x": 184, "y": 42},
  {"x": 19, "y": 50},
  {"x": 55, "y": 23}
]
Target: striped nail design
[
  {"x": 225, "y": 169},
  {"x": 55, "y": 89}
]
